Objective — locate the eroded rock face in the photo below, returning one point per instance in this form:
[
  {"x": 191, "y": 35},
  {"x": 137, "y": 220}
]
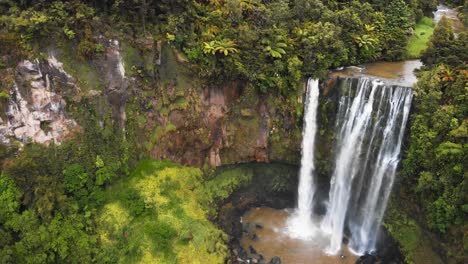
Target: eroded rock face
[
  {"x": 196, "y": 123},
  {"x": 111, "y": 67},
  {"x": 36, "y": 108},
  {"x": 186, "y": 120},
  {"x": 214, "y": 118},
  {"x": 35, "y": 111},
  {"x": 223, "y": 127}
]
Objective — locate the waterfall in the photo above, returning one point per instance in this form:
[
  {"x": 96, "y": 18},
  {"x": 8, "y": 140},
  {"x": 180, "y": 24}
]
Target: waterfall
[
  {"x": 351, "y": 134},
  {"x": 365, "y": 223},
  {"x": 301, "y": 225},
  {"x": 370, "y": 129},
  {"x": 370, "y": 124}
]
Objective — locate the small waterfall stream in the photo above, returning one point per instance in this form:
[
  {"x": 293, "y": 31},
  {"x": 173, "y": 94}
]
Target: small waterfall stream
[
  {"x": 370, "y": 124},
  {"x": 301, "y": 225}
]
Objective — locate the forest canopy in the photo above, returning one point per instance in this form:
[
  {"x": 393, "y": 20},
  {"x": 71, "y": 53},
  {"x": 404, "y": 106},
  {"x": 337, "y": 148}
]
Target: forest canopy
[
  {"x": 57, "y": 202},
  {"x": 235, "y": 39}
]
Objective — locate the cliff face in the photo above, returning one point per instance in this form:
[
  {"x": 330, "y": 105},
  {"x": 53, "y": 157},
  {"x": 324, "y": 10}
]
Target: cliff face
[
  {"x": 35, "y": 109},
  {"x": 152, "y": 93},
  {"x": 196, "y": 123}
]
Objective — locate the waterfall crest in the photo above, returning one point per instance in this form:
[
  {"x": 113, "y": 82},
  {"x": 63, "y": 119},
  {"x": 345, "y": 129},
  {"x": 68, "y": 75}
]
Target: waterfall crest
[
  {"x": 370, "y": 124},
  {"x": 301, "y": 225}
]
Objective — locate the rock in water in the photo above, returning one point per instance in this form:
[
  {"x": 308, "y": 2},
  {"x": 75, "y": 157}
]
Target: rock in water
[
  {"x": 254, "y": 237},
  {"x": 275, "y": 260},
  {"x": 252, "y": 250},
  {"x": 367, "y": 259}
]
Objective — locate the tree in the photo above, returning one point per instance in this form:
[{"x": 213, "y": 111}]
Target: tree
[
  {"x": 224, "y": 46},
  {"x": 321, "y": 47},
  {"x": 439, "y": 45},
  {"x": 75, "y": 178},
  {"x": 9, "y": 198},
  {"x": 435, "y": 165},
  {"x": 276, "y": 47},
  {"x": 398, "y": 23}
]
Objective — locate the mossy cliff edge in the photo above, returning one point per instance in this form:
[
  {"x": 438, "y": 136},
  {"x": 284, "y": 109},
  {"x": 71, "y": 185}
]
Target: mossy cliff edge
[{"x": 151, "y": 92}]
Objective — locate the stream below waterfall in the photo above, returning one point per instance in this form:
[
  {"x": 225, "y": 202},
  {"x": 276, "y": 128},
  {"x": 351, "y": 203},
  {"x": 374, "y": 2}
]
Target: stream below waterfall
[{"x": 265, "y": 225}]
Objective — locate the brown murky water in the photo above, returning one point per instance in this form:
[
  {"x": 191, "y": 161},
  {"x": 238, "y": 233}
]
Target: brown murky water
[
  {"x": 399, "y": 72},
  {"x": 273, "y": 241}
]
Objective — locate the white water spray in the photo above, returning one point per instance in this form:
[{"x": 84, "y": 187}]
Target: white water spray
[
  {"x": 350, "y": 140},
  {"x": 370, "y": 131},
  {"x": 370, "y": 124},
  {"x": 364, "y": 224},
  {"x": 301, "y": 225}
]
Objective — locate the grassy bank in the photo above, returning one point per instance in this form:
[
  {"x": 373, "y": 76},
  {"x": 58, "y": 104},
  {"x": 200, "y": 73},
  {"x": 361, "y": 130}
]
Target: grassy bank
[{"x": 419, "y": 40}]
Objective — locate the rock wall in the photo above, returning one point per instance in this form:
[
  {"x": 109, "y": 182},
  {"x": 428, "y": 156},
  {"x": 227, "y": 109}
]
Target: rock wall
[
  {"x": 35, "y": 110},
  {"x": 151, "y": 91},
  {"x": 195, "y": 123},
  {"x": 112, "y": 71}
]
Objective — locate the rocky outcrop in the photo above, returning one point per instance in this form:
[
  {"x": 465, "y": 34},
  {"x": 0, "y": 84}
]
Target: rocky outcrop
[
  {"x": 35, "y": 110},
  {"x": 261, "y": 148},
  {"x": 217, "y": 101}
]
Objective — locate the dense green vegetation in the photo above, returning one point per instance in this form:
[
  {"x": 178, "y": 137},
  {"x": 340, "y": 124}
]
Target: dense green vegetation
[
  {"x": 415, "y": 244},
  {"x": 156, "y": 215},
  {"x": 435, "y": 167},
  {"x": 79, "y": 202},
  {"x": 272, "y": 44},
  {"x": 49, "y": 196}
]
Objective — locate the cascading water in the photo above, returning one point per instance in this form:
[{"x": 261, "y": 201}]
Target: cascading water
[
  {"x": 352, "y": 126},
  {"x": 301, "y": 225},
  {"x": 370, "y": 124},
  {"x": 388, "y": 130},
  {"x": 370, "y": 129}
]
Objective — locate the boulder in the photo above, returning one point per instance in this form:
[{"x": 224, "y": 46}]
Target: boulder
[
  {"x": 252, "y": 250},
  {"x": 367, "y": 259},
  {"x": 275, "y": 260},
  {"x": 254, "y": 237}
]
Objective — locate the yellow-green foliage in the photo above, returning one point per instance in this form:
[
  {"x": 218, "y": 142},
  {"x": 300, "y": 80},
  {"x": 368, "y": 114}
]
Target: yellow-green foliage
[
  {"x": 155, "y": 216},
  {"x": 223, "y": 185}
]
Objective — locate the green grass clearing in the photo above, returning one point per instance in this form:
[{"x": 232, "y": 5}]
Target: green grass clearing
[{"x": 420, "y": 38}]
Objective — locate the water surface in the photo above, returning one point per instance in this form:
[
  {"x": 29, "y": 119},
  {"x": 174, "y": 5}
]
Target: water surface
[
  {"x": 398, "y": 72},
  {"x": 451, "y": 14},
  {"x": 273, "y": 241}
]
